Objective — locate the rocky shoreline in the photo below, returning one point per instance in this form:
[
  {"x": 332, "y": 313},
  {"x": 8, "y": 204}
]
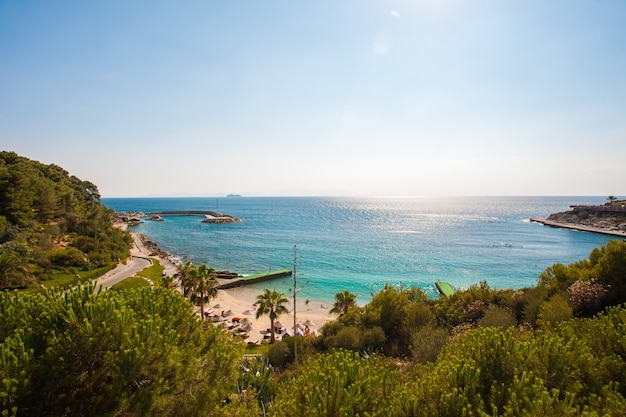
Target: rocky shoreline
[
  {"x": 608, "y": 219},
  {"x": 153, "y": 248}
]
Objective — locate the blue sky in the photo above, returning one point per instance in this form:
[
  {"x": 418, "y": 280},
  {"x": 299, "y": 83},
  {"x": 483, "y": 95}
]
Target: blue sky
[{"x": 329, "y": 97}]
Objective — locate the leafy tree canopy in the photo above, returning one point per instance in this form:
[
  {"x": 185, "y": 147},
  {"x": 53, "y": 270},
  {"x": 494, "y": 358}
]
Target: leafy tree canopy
[{"x": 52, "y": 223}]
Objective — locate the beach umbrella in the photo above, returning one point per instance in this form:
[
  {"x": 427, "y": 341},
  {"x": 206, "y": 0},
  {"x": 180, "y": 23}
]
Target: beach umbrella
[
  {"x": 217, "y": 306},
  {"x": 246, "y": 321},
  {"x": 229, "y": 313},
  {"x": 278, "y": 325},
  {"x": 247, "y": 312},
  {"x": 246, "y": 327},
  {"x": 308, "y": 323}
]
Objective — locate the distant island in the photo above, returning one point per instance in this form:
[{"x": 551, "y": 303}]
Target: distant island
[
  {"x": 608, "y": 219},
  {"x": 233, "y": 195}
]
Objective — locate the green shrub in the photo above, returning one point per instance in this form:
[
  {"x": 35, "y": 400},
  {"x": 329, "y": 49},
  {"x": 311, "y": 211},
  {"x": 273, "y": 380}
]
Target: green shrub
[
  {"x": 340, "y": 384},
  {"x": 279, "y": 354},
  {"x": 554, "y": 311},
  {"x": 427, "y": 342},
  {"x": 374, "y": 338},
  {"x": 68, "y": 257},
  {"x": 141, "y": 352},
  {"x": 497, "y": 317},
  {"x": 350, "y": 338}
]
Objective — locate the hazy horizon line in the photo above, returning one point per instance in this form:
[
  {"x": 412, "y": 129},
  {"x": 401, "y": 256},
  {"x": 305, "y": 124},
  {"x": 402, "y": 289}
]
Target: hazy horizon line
[{"x": 342, "y": 196}]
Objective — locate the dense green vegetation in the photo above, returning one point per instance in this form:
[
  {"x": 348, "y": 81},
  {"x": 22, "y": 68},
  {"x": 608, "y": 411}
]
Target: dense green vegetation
[
  {"x": 144, "y": 352},
  {"x": 556, "y": 349},
  {"x": 140, "y": 352},
  {"x": 53, "y": 228}
]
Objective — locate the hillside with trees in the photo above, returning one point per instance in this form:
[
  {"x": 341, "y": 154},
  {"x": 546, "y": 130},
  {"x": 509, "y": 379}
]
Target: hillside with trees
[{"x": 53, "y": 227}]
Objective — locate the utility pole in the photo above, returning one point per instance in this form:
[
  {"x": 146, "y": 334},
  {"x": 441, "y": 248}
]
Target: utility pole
[{"x": 295, "y": 329}]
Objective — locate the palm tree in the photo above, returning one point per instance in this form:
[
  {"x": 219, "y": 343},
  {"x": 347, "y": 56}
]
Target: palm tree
[
  {"x": 199, "y": 283},
  {"x": 204, "y": 286},
  {"x": 271, "y": 303},
  {"x": 12, "y": 269},
  {"x": 168, "y": 282},
  {"x": 343, "y": 301},
  {"x": 184, "y": 276}
]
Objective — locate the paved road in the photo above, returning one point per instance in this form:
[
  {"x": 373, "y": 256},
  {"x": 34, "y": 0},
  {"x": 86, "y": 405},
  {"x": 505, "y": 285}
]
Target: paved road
[{"x": 122, "y": 272}]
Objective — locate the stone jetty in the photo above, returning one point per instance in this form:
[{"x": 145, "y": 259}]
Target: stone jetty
[{"x": 209, "y": 216}]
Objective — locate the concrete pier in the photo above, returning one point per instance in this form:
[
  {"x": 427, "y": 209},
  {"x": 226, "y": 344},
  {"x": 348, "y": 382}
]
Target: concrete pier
[{"x": 252, "y": 279}]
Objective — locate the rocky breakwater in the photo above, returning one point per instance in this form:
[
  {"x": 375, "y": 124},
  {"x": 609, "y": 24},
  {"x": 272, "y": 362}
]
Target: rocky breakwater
[
  {"x": 607, "y": 219},
  {"x": 220, "y": 218},
  {"x": 209, "y": 216}
]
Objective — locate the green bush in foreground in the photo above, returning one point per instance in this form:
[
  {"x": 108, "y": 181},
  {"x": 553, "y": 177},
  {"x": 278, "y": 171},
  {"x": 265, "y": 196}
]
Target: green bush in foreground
[
  {"x": 577, "y": 368},
  {"x": 113, "y": 353},
  {"x": 340, "y": 384}
]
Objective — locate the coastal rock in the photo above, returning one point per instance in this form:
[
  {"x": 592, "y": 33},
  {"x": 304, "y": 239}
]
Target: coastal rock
[
  {"x": 227, "y": 275},
  {"x": 152, "y": 248},
  {"x": 222, "y": 218},
  {"x": 607, "y": 217}
]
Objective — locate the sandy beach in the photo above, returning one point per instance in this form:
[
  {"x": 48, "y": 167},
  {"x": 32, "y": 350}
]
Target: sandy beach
[{"x": 238, "y": 303}]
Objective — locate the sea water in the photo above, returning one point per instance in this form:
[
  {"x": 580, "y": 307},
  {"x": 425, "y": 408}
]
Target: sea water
[{"x": 360, "y": 244}]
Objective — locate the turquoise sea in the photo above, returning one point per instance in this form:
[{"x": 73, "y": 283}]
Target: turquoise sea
[{"x": 359, "y": 244}]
